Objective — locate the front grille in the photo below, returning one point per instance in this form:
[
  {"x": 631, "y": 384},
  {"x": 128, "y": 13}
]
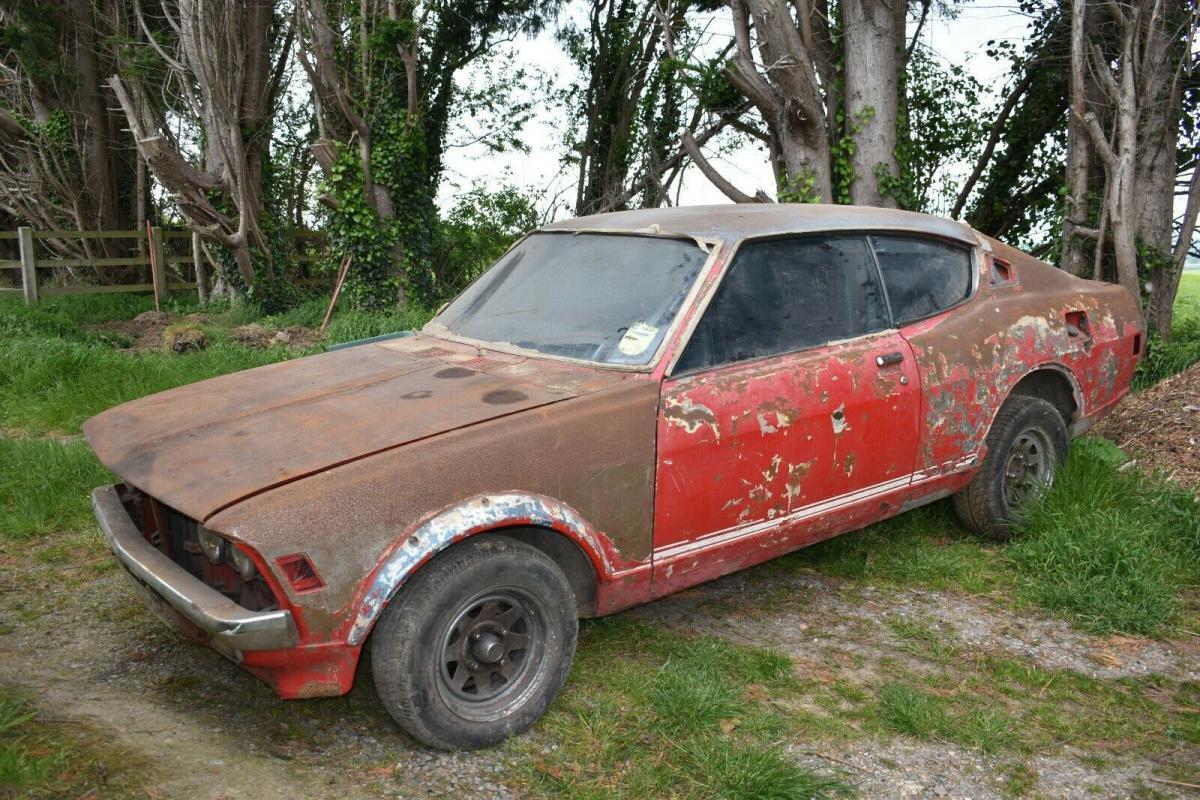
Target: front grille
[
  {"x": 177, "y": 536},
  {"x": 183, "y": 542}
]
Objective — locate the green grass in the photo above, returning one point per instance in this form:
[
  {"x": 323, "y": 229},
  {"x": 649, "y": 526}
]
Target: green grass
[
  {"x": 44, "y": 486},
  {"x": 55, "y": 374},
  {"x": 53, "y": 385},
  {"x": 1164, "y": 359},
  {"x": 649, "y": 713},
  {"x": 1114, "y": 550},
  {"x": 1187, "y": 301},
  {"x": 926, "y": 546}
]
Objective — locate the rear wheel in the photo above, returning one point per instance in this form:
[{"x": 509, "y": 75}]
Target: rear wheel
[
  {"x": 476, "y": 645},
  {"x": 1028, "y": 440}
]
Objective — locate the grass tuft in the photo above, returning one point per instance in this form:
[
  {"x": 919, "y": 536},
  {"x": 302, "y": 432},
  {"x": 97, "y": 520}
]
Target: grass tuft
[{"x": 753, "y": 772}]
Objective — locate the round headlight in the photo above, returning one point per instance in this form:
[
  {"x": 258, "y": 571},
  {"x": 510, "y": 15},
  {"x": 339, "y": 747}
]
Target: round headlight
[
  {"x": 212, "y": 545},
  {"x": 242, "y": 563}
]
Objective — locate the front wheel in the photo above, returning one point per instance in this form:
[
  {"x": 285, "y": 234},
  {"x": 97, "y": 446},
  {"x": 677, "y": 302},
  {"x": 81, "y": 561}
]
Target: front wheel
[
  {"x": 1028, "y": 440},
  {"x": 476, "y": 645}
]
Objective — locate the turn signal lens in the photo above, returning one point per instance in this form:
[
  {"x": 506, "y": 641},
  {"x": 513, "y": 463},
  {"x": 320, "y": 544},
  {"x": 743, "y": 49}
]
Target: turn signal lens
[
  {"x": 300, "y": 572},
  {"x": 212, "y": 545}
]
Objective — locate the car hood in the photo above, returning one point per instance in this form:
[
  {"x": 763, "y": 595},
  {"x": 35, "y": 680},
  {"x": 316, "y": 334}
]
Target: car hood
[{"x": 203, "y": 447}]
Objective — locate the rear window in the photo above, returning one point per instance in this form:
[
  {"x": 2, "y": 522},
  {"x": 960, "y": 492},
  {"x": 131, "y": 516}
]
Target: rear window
[{"x": 922, "y": 276}]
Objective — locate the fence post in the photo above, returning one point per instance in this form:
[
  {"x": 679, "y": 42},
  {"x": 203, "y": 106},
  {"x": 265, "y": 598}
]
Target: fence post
[
  {"x": 159, "y": 264},
  {"x": 28, "y": 264}
]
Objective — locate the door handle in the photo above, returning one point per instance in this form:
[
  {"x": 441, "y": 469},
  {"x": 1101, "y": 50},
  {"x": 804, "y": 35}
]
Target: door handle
[{"x": 888, "y": 359}]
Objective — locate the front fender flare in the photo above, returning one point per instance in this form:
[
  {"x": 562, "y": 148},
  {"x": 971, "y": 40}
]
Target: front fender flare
[{"x": 474, "y": 516}]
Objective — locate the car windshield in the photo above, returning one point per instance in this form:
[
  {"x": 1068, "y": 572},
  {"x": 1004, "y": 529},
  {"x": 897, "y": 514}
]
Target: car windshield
[{"x": 607, "y": 298}]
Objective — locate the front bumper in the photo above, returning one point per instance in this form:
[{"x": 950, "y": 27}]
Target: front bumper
[{"x": 230, "y": 628}]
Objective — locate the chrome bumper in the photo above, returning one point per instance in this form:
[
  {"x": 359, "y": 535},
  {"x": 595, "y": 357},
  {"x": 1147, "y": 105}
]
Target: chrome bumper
[{"x": 230, "y": 627}]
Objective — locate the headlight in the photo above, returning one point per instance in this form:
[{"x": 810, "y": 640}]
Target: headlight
[
  {"x": 242, "y": 563},
  {"x": 212, "y": 545}
]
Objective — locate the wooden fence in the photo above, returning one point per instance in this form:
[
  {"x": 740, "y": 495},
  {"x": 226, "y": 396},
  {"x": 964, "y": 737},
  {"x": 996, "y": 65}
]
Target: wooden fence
[{"x": 173, "y": 265}]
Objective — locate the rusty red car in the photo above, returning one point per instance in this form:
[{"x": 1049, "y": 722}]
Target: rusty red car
[{"x": 623, "y": 406}]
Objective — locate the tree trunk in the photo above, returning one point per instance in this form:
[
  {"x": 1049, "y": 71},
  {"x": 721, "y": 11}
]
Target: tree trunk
[
  {"x": 787, "y": 93},
  {"x": 1080, "y": 153},
  {"x": 874, "y": 59}
]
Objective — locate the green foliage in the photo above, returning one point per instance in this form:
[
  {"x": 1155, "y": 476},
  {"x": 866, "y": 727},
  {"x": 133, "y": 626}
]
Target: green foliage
[
  {"x": 476, "y": 232},
  {"x": 393, "y": 239},
  {"x": 31, "y": 33},
  {"x": 939, "y": 126},
  {"x": 798, "y": 188},
  {"x": 1018, "y": 195},
  {"x": 390, "y": 254},
  {"x": 713, "y": 88},
  {"x": 842, "y": 152},
  {"x": 1112, "y": 549},
  {"x": 1166, "y": 358}
]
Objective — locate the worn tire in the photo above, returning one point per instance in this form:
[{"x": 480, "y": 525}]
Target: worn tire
[
  {"x": 422, "y": 645},
  {"x": 983, "y": 506}
]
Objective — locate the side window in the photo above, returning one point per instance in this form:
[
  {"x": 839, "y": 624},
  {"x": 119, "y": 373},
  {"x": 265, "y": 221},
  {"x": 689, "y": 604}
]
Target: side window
[
  {"x": 785, "y": 295},
  {"x": 922, "y": 276}
]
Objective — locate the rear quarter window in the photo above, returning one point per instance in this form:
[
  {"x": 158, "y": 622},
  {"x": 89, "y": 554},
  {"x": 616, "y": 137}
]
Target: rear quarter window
[{"x": 922, "y": 276}]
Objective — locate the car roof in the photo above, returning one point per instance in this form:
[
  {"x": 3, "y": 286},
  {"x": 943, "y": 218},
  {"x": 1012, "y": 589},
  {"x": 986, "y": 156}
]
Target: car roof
[{"x": 735, "y": 221}]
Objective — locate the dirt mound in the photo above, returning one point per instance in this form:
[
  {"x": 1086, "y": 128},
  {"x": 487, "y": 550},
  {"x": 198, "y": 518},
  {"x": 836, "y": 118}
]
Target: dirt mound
[
  {"x": 1160, "y": 427},
  {"x": 252, "y": 335},
  {"x": 184, "y": 338},
  {"x": 295, "y": 336},
  {"x": 140, "y": 334}
]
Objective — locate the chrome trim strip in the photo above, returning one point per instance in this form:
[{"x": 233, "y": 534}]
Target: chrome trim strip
[
  {"x": 231, "y": 627},
  {"x": 806, "y": 512}
]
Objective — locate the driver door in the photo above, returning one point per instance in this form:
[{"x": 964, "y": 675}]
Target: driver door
[{"x": 792, "y": 414}]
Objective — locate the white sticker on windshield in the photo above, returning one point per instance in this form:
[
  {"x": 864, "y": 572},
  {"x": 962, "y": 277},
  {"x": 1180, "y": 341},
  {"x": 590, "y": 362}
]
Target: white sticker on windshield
[{"x": 637, "y": 338}]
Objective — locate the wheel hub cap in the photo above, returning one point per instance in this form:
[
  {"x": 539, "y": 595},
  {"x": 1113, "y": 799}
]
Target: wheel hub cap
[{"x": 489, "y": 648}]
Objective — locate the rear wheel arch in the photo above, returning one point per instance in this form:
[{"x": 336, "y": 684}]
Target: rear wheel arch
[{"x": 1056, "y": 385}]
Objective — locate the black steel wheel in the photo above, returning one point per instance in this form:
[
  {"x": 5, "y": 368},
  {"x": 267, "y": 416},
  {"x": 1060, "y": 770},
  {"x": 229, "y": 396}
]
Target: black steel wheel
[
  {"x": 492, "y": 652},
  {"x": 1028, "y": 440},
  {"x": 476, "y": 645},
  {"x": 1029, "y": 468}
]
